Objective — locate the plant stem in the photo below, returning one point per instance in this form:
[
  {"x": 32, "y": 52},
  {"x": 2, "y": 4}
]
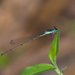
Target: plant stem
[{"x": 58, "y": 71}]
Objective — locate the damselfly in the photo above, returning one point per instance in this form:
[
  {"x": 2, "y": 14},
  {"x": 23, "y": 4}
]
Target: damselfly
[{"x": 49, "y": 31}]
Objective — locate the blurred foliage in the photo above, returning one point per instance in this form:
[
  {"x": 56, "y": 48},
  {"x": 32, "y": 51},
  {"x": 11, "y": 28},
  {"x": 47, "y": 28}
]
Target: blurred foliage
[
  {"x": 4, "y": 60},
  {"x": 73, "y": 26}
]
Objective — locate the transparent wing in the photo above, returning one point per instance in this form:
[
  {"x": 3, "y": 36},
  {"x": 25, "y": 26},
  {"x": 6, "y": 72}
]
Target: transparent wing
[{"x": 15, "y": 42}]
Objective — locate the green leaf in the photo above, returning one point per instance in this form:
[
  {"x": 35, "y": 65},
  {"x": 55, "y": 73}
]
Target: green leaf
[
  {"x": 4, "y": 60},
  {"x": 54, "y": 49},
  {"x": 36, "y": 69}
]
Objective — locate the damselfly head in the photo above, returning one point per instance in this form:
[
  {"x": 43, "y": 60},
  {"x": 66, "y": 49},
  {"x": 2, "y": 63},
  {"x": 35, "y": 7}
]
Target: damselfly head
[{"x": 54, "y": 28}]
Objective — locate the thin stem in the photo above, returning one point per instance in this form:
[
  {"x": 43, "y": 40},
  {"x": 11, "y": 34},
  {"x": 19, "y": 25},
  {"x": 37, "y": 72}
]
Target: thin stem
[{"x": 58, "y": 71}]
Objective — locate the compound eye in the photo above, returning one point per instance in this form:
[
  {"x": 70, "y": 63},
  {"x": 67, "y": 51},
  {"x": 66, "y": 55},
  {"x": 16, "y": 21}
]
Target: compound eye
[{"x": 55, "y": 28}]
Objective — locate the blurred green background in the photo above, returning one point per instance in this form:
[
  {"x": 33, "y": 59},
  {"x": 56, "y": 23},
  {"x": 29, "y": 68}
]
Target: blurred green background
[{"x": 23, "y": 18}]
